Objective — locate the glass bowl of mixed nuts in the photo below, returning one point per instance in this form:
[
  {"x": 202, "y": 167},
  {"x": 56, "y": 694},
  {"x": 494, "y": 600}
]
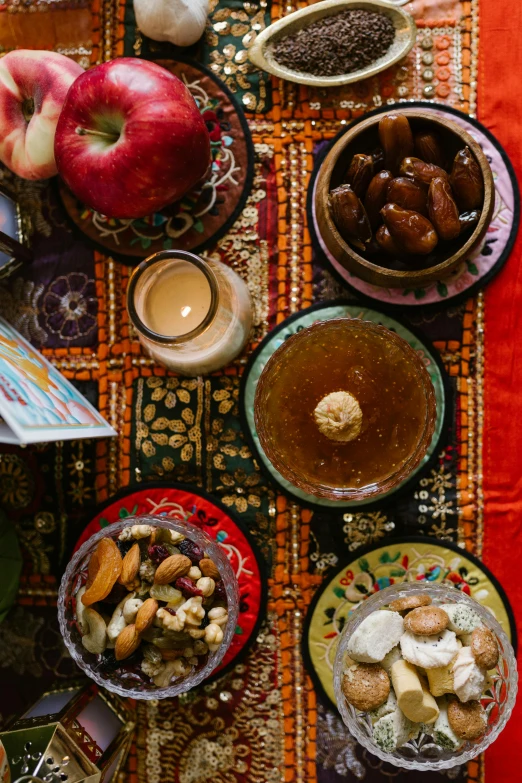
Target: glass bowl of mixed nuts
[
  {"x": 148, "y": 607},
  {"x": 424, "y": 676}
]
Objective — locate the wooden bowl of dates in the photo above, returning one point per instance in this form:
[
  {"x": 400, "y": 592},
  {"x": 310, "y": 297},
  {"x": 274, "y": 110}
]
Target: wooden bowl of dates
[{"x": 403, "y": 198}]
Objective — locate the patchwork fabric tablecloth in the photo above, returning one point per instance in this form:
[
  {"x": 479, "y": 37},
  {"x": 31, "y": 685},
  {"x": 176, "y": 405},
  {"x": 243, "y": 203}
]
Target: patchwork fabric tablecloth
[{"x": 264, "y": 721}]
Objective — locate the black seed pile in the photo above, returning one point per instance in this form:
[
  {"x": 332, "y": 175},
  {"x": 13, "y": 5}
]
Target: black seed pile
[{"x": 337, "y": 44}]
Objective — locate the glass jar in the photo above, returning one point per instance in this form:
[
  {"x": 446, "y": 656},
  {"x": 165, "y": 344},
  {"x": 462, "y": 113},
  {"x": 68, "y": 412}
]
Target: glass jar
[
  {"x": 192, "y": 315},
  {"x": 422, "y": 753},
  {"x": 372, "y": 365},
  {"x": 76, "y": 575}
]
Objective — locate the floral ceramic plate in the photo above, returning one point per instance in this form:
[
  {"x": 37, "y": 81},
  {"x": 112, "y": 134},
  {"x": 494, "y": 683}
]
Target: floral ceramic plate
[
  {"x": 177, "y": 501},
  {"x": 409, "y": 559},
  {"x": 295, "y": 323},
  {"x": 484, "y": 262},
  {"x": 205, "y": 213}
]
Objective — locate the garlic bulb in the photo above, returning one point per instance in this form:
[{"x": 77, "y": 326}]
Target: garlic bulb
[{"x": 181, "y": 22}]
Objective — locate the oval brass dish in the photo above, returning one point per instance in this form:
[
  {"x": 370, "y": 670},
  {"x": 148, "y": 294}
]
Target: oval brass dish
[
  {"x": 363, "y": 137},
  {"x": 405, "y": 32}
]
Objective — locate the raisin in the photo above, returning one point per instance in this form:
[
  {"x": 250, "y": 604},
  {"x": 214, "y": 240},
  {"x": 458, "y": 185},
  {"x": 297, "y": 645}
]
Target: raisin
[
  {"x": 187, "y": 586},
  {"x": 219, "y": 594},
  {"x": 108, "y": 663},
  {"x": 205, "y": 621},
  {"x": 191, "y": 550},
  {"x": 158, "y": 553},
  {"x": 117, "y": 594},
  {"x": 124, "y": 546}
]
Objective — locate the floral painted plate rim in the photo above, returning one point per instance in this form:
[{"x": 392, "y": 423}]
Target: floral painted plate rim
[
  {"x": 74, "y": 214},
  {"x": 390, "y": 554},
  {"x": 137, "y": 493},
  {"x": 298, "y": 321},
  {"x": 457, "y": 287}
]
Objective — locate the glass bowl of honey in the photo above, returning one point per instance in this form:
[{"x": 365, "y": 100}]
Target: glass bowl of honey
[{"x": 345, "y": 410}]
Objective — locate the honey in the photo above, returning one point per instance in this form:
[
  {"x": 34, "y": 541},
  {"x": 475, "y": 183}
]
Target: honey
[{"x": 380, "y": 370}]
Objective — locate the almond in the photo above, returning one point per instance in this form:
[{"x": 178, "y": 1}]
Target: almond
[
  {"x": 131, "y": 565},
  {"x": 171, "y": 568},
  {"x": 209, "y": 568},
  {"x": 127, "y": 642},
  {"x": 146, "y": 615}
]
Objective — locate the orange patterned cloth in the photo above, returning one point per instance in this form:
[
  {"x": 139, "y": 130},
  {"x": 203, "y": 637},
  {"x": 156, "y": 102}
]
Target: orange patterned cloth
[{"x": 270, "y": 731}]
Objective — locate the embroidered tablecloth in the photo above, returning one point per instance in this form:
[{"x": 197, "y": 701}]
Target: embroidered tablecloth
[{"x": 263, "y": 722}]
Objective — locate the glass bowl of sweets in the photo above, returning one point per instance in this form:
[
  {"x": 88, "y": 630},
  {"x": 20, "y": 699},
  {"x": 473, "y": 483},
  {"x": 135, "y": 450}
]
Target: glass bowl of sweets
[{"x": 424, "y": 676}]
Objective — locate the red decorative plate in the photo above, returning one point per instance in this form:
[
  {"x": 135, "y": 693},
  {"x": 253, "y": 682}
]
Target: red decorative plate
[{"x": 177, "y": 501}]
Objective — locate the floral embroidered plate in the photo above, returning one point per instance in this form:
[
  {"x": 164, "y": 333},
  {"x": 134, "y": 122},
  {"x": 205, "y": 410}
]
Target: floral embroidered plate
[
  {"x": 484, "y": 262},
  {"x": 295, "y": 323},
  {"x": 195, "y": 506},
  {"x": 206, "y": 212},
  {"x": 409, "y": 559}
]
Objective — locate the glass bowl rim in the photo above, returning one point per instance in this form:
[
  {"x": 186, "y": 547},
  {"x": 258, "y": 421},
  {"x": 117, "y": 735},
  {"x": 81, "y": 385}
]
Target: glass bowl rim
[
  {"x": 339, "y": 493},
  {"x": 231, "y": 588},
  {"x": 383, "y": 597}
]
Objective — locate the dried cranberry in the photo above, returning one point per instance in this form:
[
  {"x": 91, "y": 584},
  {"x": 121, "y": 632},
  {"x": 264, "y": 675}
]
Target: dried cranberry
[
  {"x": 171, "y": 611},
  {"x": 191, "y": 550},
  {"x": 219, "y": 594},
  {"x": 158, "y": 553},
  {"x": 187, "y": 586}
]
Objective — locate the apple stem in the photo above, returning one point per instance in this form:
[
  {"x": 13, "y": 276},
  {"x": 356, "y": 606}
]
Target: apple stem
[{"x": 102, "y": 134}]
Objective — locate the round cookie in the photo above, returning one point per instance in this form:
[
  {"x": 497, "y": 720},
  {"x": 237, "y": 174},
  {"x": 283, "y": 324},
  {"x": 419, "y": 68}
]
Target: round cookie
[
  {"x": 426, "y": 621},
  {"x": 366, "y": 685},
  {"x": 484, "y": 647},
  {"x": 467, "y": 720},
  {"x": 410, "y": 602}
]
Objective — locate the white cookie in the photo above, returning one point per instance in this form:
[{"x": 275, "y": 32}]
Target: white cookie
[
  {"x": 376, "y": 636},
  {"x": 469, "y": 680},
  {"x": 393, "y": 730},
  {"x": 462, "y": 619},
  {"x": 429, "y": 652}
]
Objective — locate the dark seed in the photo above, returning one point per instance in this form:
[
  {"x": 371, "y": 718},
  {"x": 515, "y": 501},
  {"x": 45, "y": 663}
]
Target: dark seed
[{"x": 341, "y": 43}]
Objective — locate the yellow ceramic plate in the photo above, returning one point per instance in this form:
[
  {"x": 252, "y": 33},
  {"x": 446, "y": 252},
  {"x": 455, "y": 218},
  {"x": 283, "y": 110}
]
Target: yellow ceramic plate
[{"x": 403, "y": 559}]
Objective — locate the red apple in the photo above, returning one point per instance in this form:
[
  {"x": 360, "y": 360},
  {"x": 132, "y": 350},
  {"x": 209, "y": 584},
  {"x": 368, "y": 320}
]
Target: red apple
[
  {"x": 130, "y": 139},
  {"x": 33, "y": 86}
]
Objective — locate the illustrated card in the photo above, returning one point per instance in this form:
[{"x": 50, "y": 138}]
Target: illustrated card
[{"x": 37, "y": 404}]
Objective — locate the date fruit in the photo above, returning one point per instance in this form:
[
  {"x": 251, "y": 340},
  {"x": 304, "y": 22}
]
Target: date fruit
[
  {"x": 469, "y": 219},
  {"x": 350, "y": 216},
  {"x": 408, "y": 194},
  {"x": 411, "y": 231},
  {"x": 428, "y": 148},
  {"x": 396, "y": 140},
  {"x": 386, "y": 242},
  {"x": 420, "y": 171},
  {"x": 466, "y": 181},
  {"x": 442, "y": 210},
  {"x": 376, "y": 197},
  {"x": 360, "y": 173},
  {"x": 378, "y": 159}
]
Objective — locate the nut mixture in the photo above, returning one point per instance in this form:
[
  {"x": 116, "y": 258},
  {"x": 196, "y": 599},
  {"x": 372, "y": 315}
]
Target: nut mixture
[
  {"x": 153, "y": 606},
  {"x": 428, "y": 673}
]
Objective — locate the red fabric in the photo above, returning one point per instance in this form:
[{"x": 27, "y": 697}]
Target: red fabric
[{"x": 500, "y": 109}]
